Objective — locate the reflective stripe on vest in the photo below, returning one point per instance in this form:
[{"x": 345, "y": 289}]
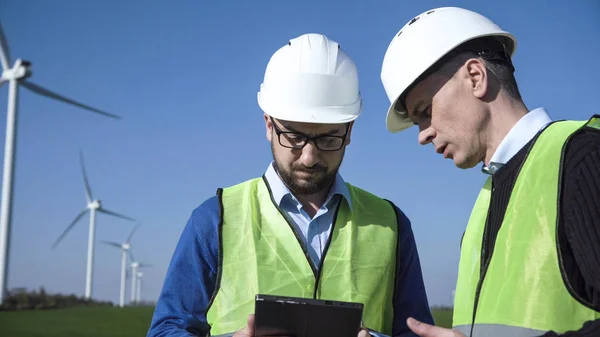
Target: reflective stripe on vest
[
  {"x": 261, "y": 253},
  {"x": 522, "y": 287},
  {"x": 498, "y": 330}
]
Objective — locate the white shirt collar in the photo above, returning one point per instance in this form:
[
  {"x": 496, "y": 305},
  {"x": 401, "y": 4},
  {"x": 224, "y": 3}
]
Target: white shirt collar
[{"x": 518, "y": 136}]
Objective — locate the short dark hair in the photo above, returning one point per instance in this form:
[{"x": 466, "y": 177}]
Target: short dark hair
[{"x": 494, "y": 51}]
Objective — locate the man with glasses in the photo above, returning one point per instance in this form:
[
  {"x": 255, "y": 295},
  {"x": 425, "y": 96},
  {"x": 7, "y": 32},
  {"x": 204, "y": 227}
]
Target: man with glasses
[{"x": 299, "y": 230}]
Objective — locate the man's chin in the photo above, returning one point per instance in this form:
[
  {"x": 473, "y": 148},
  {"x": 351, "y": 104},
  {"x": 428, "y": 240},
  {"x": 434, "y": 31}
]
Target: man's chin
[
  {"x": 308, "y": 185},
  {"x": 305, "y": 187},
  {"x": 464, "y": 164}
]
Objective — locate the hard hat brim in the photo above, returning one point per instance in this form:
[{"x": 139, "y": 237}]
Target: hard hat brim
[
  {"x": 317, "y": 115},
  {"x": 397, "y": 121}
]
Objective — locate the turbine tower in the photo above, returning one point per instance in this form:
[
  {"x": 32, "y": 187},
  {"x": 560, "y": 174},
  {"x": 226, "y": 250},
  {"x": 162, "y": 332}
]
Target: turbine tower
[
  {"x": 93, "y": 206},
  {"x": 140, "y": 275},
  {"x": 124, "y": 247},
  {"x": 17, "y": 76}
]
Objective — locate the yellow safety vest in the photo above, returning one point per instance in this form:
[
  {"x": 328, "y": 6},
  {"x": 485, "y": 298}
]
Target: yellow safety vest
[
  {"x": 259, "y": 252},
  {"x": 522, "y": 292}
]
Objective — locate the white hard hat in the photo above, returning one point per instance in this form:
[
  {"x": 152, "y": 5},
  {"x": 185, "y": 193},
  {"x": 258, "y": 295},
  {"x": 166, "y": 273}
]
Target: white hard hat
[
  {"x": 312, "y": 80},
  {"x": 421, "y": 43}
]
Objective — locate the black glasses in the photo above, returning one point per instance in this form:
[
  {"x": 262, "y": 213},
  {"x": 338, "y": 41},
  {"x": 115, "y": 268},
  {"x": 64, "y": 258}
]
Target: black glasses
[{"x": 297, "y": 140}]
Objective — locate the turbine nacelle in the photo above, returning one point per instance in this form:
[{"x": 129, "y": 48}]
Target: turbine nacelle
[
  {"x": 21, "y": 70},
  {"x": 95, "y": 204}
]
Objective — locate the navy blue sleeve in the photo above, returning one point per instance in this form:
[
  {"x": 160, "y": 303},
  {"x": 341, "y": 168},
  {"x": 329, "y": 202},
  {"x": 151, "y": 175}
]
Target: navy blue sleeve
[
  {"x": 410, "y": 297},
  {"x": 191, "y": 277}
]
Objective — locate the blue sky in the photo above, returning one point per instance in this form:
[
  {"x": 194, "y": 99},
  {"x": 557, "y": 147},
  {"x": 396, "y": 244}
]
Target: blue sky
[{"x": 184, "y": 75}]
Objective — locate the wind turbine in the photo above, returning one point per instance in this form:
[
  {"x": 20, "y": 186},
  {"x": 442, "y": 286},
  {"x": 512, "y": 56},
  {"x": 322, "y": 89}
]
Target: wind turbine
[
  {"x": 134, "y": 275},
  {"x": 124, "y": 247},
  {"x": 93, "y": 206},
  {"x": 17, "y": 76}
]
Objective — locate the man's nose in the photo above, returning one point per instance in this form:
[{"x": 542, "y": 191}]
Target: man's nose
[
  {"x": 426, "y": 135},
  {"x": 310, "y": 155}
]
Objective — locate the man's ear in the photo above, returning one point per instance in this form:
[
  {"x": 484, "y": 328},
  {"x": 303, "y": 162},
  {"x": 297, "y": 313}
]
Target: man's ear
[
  {"x": 268, "y": 126},
  {"x": 478, "y": 78}
]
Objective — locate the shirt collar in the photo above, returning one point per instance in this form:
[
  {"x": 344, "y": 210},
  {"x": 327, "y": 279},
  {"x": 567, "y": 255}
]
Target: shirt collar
[
  {"x": 518, "y": 136},
  {"x": 280, "y": 190}
]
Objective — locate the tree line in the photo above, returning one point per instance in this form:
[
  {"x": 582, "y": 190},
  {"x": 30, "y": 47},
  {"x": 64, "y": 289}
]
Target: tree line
[{"x": 23, "y": 299}]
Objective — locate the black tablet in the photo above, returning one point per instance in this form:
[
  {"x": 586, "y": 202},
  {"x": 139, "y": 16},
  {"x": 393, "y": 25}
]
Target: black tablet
[{"x": 303, "y": 317}]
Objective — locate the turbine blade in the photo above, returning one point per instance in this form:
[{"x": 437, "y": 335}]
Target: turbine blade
[
  {"x": 4, "y": 53},
  {"x": 88, "y": 190},
  {"x": 114, "y": 244},
  {"x": 105, "y": 211},
  {"x": 145, "y": 265},
  {"x": 69, "y": 227},
  {"x": 132, "y": 232},
  {"x": 45, "y": 92}
]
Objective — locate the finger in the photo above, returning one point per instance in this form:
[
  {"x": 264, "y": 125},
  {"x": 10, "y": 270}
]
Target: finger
[
  {"x": 250, "y": 326},
  {"x": 363, "y": 333},
  {"x": 427, "y": 330}
]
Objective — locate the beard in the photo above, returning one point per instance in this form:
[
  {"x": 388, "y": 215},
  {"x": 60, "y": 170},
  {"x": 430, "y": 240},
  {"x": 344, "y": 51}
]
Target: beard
[{"x": 302, "y": 180}]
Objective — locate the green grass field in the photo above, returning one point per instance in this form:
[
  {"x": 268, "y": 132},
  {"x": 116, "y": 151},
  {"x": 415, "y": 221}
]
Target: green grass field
[
  {"x": 442, "y": 317},
  {"x": 100, "y": 322}
]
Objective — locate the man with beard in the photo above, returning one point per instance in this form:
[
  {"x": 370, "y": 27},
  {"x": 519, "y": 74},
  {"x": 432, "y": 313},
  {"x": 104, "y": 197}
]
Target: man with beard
[{"x": 299, "y": 230}]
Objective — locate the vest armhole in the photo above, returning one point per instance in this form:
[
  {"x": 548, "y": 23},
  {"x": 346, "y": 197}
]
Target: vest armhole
[
  {"x": 398, "y": 213},
  {"x": 563, "y": 272},
  {"x": 220, "y": 256}
]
